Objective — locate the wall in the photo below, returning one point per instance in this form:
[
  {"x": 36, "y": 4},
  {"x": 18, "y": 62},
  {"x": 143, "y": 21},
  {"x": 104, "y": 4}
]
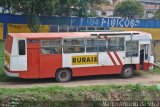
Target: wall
[
  {"x": 23, "y": 28},
  {"x": 18, "y": 23},
  {"x": 1, "y": 31}
]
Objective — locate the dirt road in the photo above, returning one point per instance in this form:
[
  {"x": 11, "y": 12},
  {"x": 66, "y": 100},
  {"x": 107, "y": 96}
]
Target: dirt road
[{"x": 146, "y": 79}]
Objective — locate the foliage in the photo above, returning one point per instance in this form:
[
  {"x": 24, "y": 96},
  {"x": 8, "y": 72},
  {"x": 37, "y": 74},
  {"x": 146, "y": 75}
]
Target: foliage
[
  {"x": 7, "y": 6},
  {"x": 91, "y": 13},
  {"x": 34, "y": 8},
  {"x": 49, "y": 7},
  {"x": 3, "y": 77},
  {"x": 96, "y": 2},
  {"x": 41, "y": 7},
  {"x": 58, "y": 96},
  {"x": 129, "y": 9},
  {"x": 1, "y": 54},
  {"x": 157, "y": 14}
]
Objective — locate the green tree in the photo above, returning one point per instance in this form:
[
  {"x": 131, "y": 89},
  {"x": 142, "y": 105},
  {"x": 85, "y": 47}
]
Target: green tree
[
  {"x": 8, "y": 6},
  {"x": 32, "y": 8},
  {"x": 35, "y": 8},
  {"x": 87, "y": 8},
  {"x": 129, "y": 9},
  {"x": 157, "y": 14},
  {"x": 40, "y": 7},
  {"x": 93, "y": 3},
  {"x": 64, "y": 7}
]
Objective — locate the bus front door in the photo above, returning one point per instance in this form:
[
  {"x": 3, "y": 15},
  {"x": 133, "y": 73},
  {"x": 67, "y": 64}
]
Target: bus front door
[{"x": 144, "y": 60}]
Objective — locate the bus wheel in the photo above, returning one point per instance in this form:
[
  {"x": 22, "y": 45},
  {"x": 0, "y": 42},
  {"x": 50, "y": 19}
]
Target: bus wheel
[
  {"x": 63, "y": 75},
  {"x": 127, "y": 72}
]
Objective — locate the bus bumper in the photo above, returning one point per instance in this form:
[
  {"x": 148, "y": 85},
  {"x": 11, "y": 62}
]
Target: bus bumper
[{"x": 10, "y": 74}]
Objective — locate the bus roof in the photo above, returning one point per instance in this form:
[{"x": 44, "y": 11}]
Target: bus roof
[{"x": 73, "y": 34}]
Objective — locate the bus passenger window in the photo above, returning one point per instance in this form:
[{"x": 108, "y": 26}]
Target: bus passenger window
[
  {"x": 51, "y": 46},
  {"x": 131, "y": 48},
  {"x": 92, "y": 45},
  {"x": 102, "y": 45},
  {"x": 21, "y": 47},
  {"x": 96, "y": 45},
  {"x": 116, "y": 44},
  {"x": 73, "y": 46}
]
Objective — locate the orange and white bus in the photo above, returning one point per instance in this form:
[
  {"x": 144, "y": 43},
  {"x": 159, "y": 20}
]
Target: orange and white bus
[{"x": 70, "y": 54}]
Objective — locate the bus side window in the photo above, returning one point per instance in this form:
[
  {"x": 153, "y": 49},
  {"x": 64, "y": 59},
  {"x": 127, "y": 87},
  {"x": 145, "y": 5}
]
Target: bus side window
[
  {"x": 92, "y": 45},
  {"x": 116, "y": 44},
  {"x": 51, "y": 46},
  {"x": 73, "y": 46},
  {"x": 96, "y": 45},
  {"x": 131, "y": 48},
  {"x": 21, "y": 47},
  {"x": 102, "y": 45}
]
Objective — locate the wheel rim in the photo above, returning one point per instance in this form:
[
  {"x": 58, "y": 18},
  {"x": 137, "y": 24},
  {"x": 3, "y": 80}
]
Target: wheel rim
[
  {"x": 63, "y": 75},
  {"x": 128, "y": 72}
]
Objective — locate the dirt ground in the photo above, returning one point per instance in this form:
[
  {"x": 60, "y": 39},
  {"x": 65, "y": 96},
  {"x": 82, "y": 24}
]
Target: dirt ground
[{"x": 144, "y": 78}]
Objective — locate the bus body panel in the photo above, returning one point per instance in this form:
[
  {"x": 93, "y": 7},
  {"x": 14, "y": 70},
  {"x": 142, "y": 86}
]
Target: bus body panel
[
  {"x": 32, "y": 61},
  {"x": 108, "y": 63},
  {"x": 18, "y": 62},
  {"x": 104, "y": 59},
  {"x": 8, "y": 49},
  {"x": 81, "y": 60},
  {"x": 98, "y": 70},
  {"x": 8, "y": 44},
  {"x": 35, "y": 64},
  {"x": 49, "y": 64}
]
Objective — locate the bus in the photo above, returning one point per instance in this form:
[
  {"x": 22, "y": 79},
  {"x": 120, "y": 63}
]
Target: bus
[{"x": 70, "y": 54}]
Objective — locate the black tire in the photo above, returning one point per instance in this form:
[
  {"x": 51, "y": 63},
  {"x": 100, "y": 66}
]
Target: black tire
[
  {"x": 127, "y": 72},
  {"x": 63, "y": 75}
]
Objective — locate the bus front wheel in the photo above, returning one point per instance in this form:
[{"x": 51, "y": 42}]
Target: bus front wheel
[
  {"x": 63, "y": 75},
  {"x": 127, "y": 72}
]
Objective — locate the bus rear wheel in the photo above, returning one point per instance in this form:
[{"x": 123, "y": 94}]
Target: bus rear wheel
[
  {"x": 63, "y": 75},
  {"x": 127, "y": 72}
]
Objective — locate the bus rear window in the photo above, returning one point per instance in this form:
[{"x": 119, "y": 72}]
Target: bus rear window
[
  {"x": 21, "y": 47},
  {"x": 8, "y": 45}
]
